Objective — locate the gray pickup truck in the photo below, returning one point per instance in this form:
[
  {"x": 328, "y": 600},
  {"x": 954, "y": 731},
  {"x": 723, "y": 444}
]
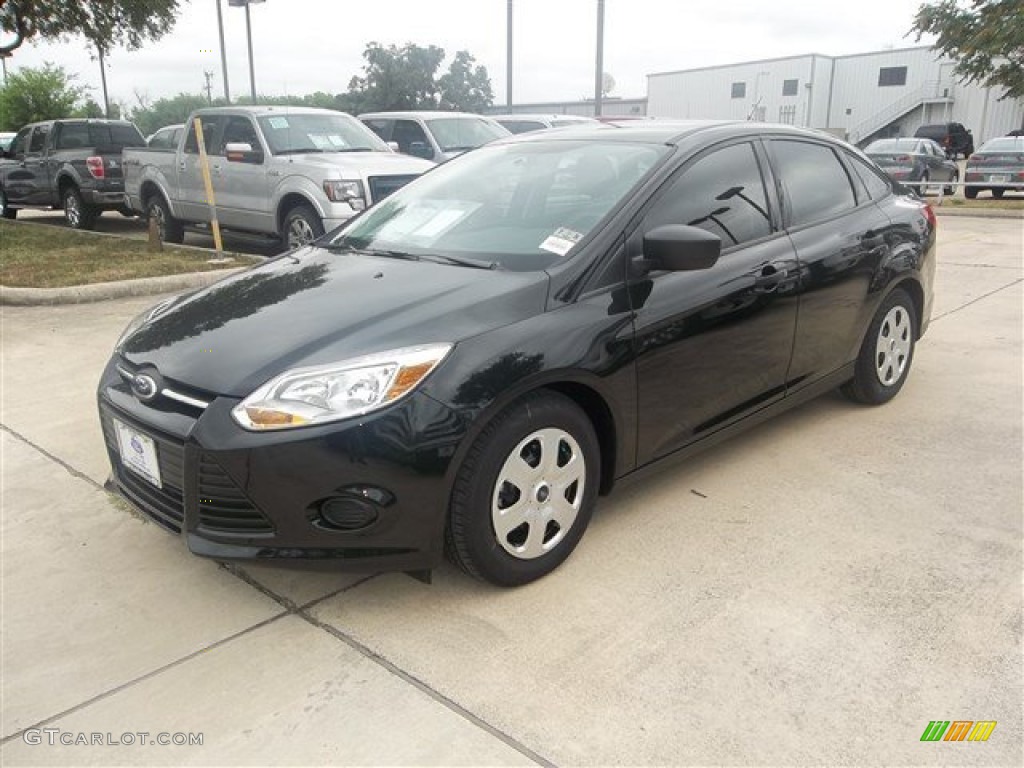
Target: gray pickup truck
[
  {"x": 73, "y": 164},
  {"x": 293, "y": 172}
]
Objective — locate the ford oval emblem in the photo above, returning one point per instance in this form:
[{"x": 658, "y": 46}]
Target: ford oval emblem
[{"x": 144, "y": 387}]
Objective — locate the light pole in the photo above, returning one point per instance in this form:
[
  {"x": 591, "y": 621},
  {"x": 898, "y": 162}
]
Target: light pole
[
  {"x": 599, "y": 70},
  {"x": 248, "y": 34},
  {"x": 223, "y": 53},
  {"x": 508, "y": 60}
]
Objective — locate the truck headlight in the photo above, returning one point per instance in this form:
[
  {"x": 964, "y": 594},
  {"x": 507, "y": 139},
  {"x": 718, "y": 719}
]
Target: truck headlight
[
  {"x": 325, "y": 393},
  {"x": 350, "y": 192}
]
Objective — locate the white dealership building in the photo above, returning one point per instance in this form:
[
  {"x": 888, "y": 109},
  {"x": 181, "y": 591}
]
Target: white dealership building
[{"x": 858, "y": 97}]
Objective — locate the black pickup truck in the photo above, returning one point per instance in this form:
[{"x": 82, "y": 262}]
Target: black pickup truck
[{"x": 69, "y": 164}]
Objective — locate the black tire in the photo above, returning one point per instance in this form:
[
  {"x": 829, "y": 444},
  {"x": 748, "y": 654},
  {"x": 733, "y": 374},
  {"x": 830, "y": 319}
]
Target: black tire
[
  {"x": 971, "y": 192},
  {"x": 302, "y": 225},
  {"x": 950, "y": 189},
  {"x": 127, "y": 212},
  {"x": 998, "y": 193},
  {"x": 77, "y": 213},
  {"x": 886, "y": 353},
  {"x": 922, "y": 188},
  {"x": 170, "y": 229},
  {"x": 5, "y": 210},
  {"x": 514, "y": 439}
]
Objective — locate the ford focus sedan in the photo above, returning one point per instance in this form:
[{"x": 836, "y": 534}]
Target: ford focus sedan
[
  {"x": 467, "y": 366},
  {"x": 997, "y": 167}
]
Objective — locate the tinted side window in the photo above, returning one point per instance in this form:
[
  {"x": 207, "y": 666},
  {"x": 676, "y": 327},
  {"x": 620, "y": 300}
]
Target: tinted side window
[
  {"x": 239, "y": 130},
  {"x": 73, "y": 136},
  {"x": 38, "y": 139},
  {"x": 877, "y": 186},
  {"x": 20, "y": 143},
  {"x": 815, "y": 181},
  {"x": 162, "y": 139},
  {"x": 723, "y": 192},
  {"x": 381, "y": 127},
  {"x": 406, "y": 132},
  {"x": 211, "y": 134}
]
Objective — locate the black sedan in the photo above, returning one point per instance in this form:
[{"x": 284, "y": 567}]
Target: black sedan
[
  {"x": 996, "y": 167},
  {"x": 915, "y": 162},
  {"x": 468, "y": 365}
]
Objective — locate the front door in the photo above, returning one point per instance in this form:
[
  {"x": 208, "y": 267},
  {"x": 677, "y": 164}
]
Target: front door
[
  {"x": 36, "y": 180},
  {"x": 713, "y": 345},
  {"x": 241, "y": 187}
]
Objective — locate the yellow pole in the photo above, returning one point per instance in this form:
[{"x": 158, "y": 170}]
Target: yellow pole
[{"x": 204, "y": 164}]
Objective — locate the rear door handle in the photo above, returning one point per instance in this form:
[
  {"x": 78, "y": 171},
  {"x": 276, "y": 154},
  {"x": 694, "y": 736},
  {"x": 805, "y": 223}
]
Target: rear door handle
[
  {"x": 216, "y": 169},
  {"x": 182, "y": 166}
]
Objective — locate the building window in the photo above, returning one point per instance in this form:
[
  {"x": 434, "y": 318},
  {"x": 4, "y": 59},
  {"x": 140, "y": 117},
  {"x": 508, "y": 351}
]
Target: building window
[
  {"x": 787, "y": 115},
  {"x": 789, "y": 87},
  {"x": 892, "y": 76},
  {"x": 739, "y": 90}
]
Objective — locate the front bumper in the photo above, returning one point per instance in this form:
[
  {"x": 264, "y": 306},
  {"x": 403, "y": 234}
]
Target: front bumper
[{"x": 233, "y": 494}]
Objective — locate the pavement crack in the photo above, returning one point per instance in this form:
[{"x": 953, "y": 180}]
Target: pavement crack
[
  {"x": 977, "y": 299},
  {"x": 56, "y": 459}
]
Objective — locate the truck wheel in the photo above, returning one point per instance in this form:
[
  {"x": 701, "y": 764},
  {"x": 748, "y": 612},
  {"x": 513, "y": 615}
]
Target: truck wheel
[
  {"x": 78, "y": 214},
  {"x": 5, "y": 210},
  {"x": 302, "y": 226},
  {"x": 170, "y": 229}
]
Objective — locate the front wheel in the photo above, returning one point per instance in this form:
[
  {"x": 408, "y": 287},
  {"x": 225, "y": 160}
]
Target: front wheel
[
  {"x": 525, "y": 492},
  {"x": 998, "y": 193},
  {"x": 5, "y": 210},
  {"x": 77, "y": 213},
  {"x": 302, "y": 226},
  {"x": 886, "y": 353}
]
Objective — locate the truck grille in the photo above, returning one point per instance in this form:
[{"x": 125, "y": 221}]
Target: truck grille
[
  {"x": 223, "y": 507},
  {"x": 382, "y": 186}
]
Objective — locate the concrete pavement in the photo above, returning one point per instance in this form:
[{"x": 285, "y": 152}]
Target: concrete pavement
[{"x": 814, "y": 591}]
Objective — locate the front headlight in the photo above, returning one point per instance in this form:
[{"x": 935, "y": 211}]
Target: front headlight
[
  {"x": 350, "y": 192},
  {"x": 325, "y": 393},
  {"x": 143, "y": 318}
]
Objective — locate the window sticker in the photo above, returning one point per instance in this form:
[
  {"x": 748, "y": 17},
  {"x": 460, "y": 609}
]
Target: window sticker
[
  {"x": 278, "y": 123},
  {"x": 320, "y": 142},
  {"x": 561, "y": 242},
  {"x": 424, "y": 222}
]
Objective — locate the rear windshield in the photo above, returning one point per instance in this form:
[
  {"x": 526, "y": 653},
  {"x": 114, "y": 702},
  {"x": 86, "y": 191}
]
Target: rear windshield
[
  {"x": 453, "y": 134},
  {"x": 893, "y": 145},
  {"x": 1009, "y": 144},
  {"x": 91, "y": 135}
]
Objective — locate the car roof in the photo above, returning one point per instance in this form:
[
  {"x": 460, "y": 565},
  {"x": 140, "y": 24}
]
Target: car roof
[
  {"x": 541, "y": 116},
  {"x": 1017, "y": 141},
  {"x": 423, "y": 113},
  {"x": 269, "y": 109}
]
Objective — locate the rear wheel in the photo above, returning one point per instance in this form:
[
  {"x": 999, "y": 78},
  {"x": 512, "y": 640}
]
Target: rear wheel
[
  {"x": 998, "y": 193},
  {"x": 886, "y": 353},
  {"x": 302, "y": 226},
  {"x": 5, "y": 210},
  {"x": 970, "y": 192},
  {"x": 525, "y": 492},
  {"x": 169, "y": 228},
  {"x": 77, "y": 212}
]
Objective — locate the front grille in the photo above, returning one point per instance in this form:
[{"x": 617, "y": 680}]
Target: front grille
[
  {"x": 223, "y": 507},
  {"x": 165, "y": 505},
  {"x": 382, "y": 186}
]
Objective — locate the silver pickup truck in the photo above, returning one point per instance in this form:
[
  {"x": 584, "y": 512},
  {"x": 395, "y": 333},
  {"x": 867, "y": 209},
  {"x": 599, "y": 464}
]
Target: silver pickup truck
[{"x": 294, "y": 172}]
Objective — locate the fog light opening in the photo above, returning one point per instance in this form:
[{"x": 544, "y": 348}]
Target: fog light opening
[{"x": 346, "y": 514}]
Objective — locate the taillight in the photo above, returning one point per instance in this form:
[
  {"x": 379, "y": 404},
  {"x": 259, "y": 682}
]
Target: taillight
[
  {"x": 901, "y": 159},
  {"x": 95, "y": 166},
  {"x": 930, "y": 215}
]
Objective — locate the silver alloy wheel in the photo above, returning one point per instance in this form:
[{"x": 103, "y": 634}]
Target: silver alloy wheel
[
  {"x": 72, "y": 210},
  {"x": 538, "y": 493},
  {"x": 892, "y": 349},
  {"x": 300, "y": 232}
]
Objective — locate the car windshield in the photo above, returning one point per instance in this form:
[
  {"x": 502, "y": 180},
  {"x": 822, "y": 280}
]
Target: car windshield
[
  {"x": 883, "y": 146},
  {"x": 1008, "y": 144},
  {"x": 521, "y": 206},
  {"x": 308, "y": 132},
  {"x": 463, "y": 133}
]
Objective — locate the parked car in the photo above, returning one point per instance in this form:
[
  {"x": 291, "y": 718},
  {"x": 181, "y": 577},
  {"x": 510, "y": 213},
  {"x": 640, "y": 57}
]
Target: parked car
[
  {"x": 437, "y": 136},
  {"x": 168, "y": 137},
  {"x": 6, "y": 137},
  {"x": 69, "y": 164},
  {"x": 293, "y": 172},
  {"x": 999, "y": 163},
  {"x": 952, "y": 137},
  {"x": 465, "y": 367},
  {"x": 914, "y": 161},
  {"x": 526, "y": 122}
]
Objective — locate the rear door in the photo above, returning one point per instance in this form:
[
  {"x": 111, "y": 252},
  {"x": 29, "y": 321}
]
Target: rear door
[
  {"x": 840, "y": 237},
  {"x": 713, "y": 345},
  {"x": 191, "y": 187},
  {"x": 36, "y": 184}
]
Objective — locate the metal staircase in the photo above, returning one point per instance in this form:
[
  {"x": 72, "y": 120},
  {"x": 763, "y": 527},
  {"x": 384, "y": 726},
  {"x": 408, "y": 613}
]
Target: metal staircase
[{"x": 932, "y": 92}]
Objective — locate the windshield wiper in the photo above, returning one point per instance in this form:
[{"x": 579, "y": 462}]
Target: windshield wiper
[
  {"x": 443, "y": 259},
  {"x": 295, "y": 151},
  {"x": 437, "y": 258}
]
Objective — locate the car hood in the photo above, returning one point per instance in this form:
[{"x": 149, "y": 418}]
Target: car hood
[
  {"x": 364, "y": 163},
  {"x": 315, "y": 307}
]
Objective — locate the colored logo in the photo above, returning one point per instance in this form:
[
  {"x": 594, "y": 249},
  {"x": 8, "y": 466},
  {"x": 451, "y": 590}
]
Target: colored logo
[
  {"x": 958, "y": 730},
  {"x": 144, "y": 387},
  {"x": 137, "y": 445}
]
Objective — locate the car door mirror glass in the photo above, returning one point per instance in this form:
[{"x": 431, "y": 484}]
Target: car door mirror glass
[{"x": 680, "y": 248}]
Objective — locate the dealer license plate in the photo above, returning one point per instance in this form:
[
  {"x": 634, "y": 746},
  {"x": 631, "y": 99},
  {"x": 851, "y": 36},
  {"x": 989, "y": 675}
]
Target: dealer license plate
[
  {"x": 138, "y": 453},
  {"x": 999, "y": 178}
]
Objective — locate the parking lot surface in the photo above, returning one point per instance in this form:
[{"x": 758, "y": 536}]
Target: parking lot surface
[{"x": 816, "y": 591}]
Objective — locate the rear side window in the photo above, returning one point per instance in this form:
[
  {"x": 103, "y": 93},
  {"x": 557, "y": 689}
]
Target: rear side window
[
  {"x": 815, "y": 182},
  {"x": 723, "y": 192},
  {"x": 876, "y": 185},
  {"x": 73, "y": 136},
  {"x": 381, "y": 127}
]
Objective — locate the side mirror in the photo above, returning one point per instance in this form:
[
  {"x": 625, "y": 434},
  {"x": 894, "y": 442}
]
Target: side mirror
[
  {"x": 393, "y": 146},
  {"x": 420, "y": 149},
  {"x": 679, "y": 248},
  {"x": 242, "y": 152}
]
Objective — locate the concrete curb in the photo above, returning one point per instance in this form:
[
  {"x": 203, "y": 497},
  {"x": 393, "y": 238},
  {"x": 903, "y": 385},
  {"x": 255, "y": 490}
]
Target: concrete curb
[
  {"x": 142, "y": 286},
  {"x": 979, "y": 213}
]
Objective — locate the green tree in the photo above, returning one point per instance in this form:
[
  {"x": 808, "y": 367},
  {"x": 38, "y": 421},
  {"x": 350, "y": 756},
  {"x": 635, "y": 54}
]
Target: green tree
[
  {"x": 466, "y": 87},
  {"x": 395, "y": 78},
  {"x": 169, "y": 111},
  {"x": 42, "y": 93},
  {"x": 106, "y": 23},
  {"x": 985, "y": 37}
]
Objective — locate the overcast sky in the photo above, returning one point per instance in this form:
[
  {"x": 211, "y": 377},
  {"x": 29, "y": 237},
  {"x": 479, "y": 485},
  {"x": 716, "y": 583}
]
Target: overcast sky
[{"x": 302, "y": 46}]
